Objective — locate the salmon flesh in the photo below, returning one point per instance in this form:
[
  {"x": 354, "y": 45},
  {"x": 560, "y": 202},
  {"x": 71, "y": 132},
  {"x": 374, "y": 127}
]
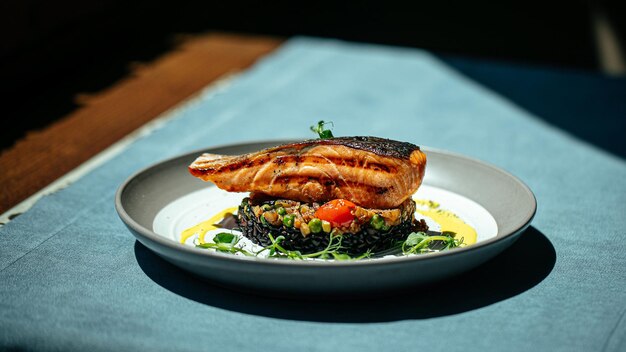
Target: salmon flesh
[{"x": 371, "y": 172}]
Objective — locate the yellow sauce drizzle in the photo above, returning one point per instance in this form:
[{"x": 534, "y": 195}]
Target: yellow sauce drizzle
[
  {"x": 202, "y": 228},
  {"x": 447, "y": 220}
]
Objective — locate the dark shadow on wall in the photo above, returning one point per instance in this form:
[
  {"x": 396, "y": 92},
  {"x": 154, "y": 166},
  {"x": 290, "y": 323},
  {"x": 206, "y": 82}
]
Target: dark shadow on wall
[
  {"x": 56, "y": 50},
  {"x": 507, "y": 275}
]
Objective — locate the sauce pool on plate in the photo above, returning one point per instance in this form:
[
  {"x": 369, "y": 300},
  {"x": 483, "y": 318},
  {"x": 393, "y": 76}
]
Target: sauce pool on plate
[
  {"x": 202, "y": 228},
  {"x": 447, "y": 221}
]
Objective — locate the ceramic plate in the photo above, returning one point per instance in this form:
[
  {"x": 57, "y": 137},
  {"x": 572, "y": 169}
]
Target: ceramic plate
[{"x": 161, "y": 201}]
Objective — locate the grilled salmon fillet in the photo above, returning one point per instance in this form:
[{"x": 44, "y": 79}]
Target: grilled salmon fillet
[{"x": 368, "y": 171}]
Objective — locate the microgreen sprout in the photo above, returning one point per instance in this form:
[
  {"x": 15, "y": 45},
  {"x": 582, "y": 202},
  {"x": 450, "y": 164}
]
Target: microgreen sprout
[
  {"x": 332, "y": 250},
  {"x": 416, "y": 243},
  {"x": 321, "y": 131},
  {"x": 420, "y": 242},
  {"x": 226, "y": 243}
]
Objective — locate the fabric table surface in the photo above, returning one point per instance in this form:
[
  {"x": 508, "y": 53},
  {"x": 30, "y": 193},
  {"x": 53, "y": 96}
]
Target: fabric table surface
[{"x": 72, "y": 277}]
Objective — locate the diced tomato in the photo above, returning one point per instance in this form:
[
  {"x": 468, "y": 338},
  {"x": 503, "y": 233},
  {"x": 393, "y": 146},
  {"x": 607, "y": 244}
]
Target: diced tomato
[{"x": 338, "y": 212}]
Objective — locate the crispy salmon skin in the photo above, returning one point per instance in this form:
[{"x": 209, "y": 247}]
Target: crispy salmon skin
[{"x": 369, "y": 171}]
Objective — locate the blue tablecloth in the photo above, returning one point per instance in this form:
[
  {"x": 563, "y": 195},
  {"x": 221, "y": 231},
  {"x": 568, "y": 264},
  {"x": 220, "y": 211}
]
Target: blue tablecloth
[{"x": 73, "y": 278}]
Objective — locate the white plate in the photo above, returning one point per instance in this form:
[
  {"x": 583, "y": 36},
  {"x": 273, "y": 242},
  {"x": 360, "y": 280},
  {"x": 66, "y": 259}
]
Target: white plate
[
  {"x": 198, "y": 206},
  {"x": 160, "y": 201}
]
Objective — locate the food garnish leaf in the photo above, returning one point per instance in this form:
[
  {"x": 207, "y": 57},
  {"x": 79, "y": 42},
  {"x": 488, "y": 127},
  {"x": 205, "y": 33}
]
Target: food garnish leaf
[
  {"x": 225, "y": 237},
  {"x": 419, "y": 242},
  {"x": 414, "y": 238},
  {"x": 321, "y": 131},
  {"x": 416, "y": 243}
]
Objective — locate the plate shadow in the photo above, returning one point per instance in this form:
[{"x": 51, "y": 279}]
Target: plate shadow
[{"x": 510, "y": 273}]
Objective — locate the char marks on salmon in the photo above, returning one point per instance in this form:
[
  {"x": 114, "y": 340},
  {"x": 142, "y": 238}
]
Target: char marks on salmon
[{"x": 369, "y": 171}]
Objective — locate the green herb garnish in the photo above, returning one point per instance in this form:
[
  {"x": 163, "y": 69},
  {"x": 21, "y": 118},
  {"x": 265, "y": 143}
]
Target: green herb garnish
[
  {"x": 418, "y": 242},
  {"x": 226, "y": 243},
  {"x": 332, "y": 250},
  {"x": 321, "y": 131}
]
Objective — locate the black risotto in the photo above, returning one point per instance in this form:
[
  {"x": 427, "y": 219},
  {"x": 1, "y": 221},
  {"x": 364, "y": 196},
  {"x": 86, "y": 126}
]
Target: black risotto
[{"x": 371, "y": 230}]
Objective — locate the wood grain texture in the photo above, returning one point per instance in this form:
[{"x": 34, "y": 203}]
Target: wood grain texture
[{"x": 43, "y": 156}]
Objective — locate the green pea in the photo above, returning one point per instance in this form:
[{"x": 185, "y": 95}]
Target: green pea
[
  {"x": 378, "y": 222},
  {"x": 315, "y": 225},
  {"x": 288, "y": 220},
  {"x": 281, "y": 211}
]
